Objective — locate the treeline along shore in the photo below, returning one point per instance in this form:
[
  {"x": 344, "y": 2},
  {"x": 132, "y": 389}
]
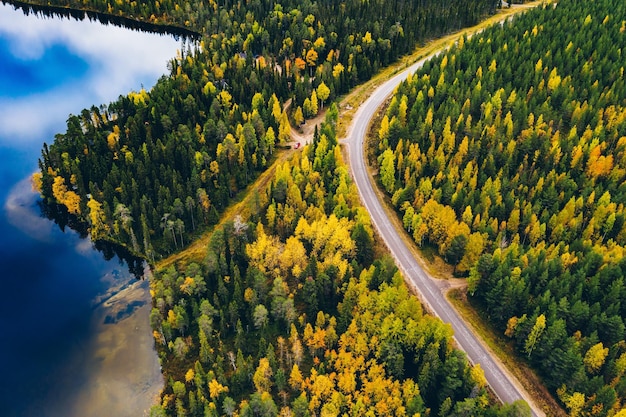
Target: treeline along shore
[{"x": 130, "y": 22}]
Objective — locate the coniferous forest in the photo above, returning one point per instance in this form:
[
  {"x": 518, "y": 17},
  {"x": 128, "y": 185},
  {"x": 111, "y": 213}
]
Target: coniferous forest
[
  {"x": 291, "y": 314},
  {"x": 151, "y": 168},
  {"x": 507, "y": 155}
]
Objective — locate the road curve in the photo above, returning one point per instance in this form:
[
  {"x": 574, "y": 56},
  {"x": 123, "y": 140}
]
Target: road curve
[{"x": 507, "y": 389}]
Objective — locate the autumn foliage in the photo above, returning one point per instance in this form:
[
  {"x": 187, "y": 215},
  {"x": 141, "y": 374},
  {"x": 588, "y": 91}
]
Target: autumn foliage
[
  {"x": 507, "y": 154},
  {"x": 291, "y": 315}
]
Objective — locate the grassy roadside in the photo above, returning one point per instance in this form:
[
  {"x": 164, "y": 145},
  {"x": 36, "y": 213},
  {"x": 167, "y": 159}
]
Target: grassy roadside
[
  {"x": 244, "y": 205},
  {"x": 428, "y": 259},
  {"x": 505, "y": 351}
]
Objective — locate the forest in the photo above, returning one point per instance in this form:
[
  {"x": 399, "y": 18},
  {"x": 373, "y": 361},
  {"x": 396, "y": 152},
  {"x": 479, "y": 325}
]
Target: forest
[
  {"x": 292, "y": 311},
  {"x": 154, "y": 168},
  {"x": 523, "y": 194},
  {"x": 507, "y": 155},
  {"x": 293, "y": 314}
]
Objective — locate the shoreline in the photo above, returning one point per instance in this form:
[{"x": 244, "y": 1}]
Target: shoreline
[
  {"x": 103, "y": 18},
  {"x": 122, "y": 372},
  {"x": 91, "y": 352}
]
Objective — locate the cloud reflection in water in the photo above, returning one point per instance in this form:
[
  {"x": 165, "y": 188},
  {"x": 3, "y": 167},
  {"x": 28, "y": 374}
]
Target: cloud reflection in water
[
  {"x": 51, "y": 334},
  {"x": 26, "y": 118},
  {"x": 20, "y": 211}
]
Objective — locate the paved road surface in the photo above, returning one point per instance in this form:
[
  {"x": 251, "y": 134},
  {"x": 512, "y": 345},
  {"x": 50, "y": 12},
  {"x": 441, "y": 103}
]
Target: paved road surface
[{"x": 505, "y": 388}]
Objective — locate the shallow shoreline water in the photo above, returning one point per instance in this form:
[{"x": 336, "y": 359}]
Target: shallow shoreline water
[
  {"x": 117, "y": 376},
  {"x": 122, "y": 324}
]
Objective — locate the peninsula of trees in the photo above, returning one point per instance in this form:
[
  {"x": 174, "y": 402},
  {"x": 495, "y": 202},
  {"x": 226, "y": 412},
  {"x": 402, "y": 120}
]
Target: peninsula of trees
[{"x": 508, "y": 155}]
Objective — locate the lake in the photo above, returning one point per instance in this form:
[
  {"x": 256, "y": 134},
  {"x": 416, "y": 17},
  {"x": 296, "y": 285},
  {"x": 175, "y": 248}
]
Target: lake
[{"x": 75, "y": 338}]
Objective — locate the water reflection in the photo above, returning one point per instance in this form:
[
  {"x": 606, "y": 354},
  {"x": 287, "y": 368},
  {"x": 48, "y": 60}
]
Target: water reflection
[
  {"x": 106, "y": 61},
  {"x": 17, "y": 208},
  {"x": 75, "y": 337},
  {"x": 59, "y": 215}
]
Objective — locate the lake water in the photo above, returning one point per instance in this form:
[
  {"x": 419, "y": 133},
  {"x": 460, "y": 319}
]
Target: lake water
[{"x": 75, "y": 338}]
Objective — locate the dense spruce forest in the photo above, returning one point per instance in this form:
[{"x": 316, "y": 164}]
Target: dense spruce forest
[
  {"x": 291, "y": 314},
  {"x": 507, "y": 154},
  {"x": 152, "y": 168}
]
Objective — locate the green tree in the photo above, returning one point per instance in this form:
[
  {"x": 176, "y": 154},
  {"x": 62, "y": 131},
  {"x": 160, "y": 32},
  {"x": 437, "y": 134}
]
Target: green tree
[
  {"x": 535, "y": 334},
  {"x": 260, "y": 316},
  {"x": 388, "y": 170},
  {"x": 456, "y": 249}
]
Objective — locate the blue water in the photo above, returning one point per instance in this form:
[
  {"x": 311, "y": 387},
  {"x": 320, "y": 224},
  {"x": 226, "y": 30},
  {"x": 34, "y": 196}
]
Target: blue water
[
  {"x": 20, "y": 77},
  {"x": 49, "y": 279}
]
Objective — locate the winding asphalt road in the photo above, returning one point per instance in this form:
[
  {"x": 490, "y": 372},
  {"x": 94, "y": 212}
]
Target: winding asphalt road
[{"x": 506, "y": 388}]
